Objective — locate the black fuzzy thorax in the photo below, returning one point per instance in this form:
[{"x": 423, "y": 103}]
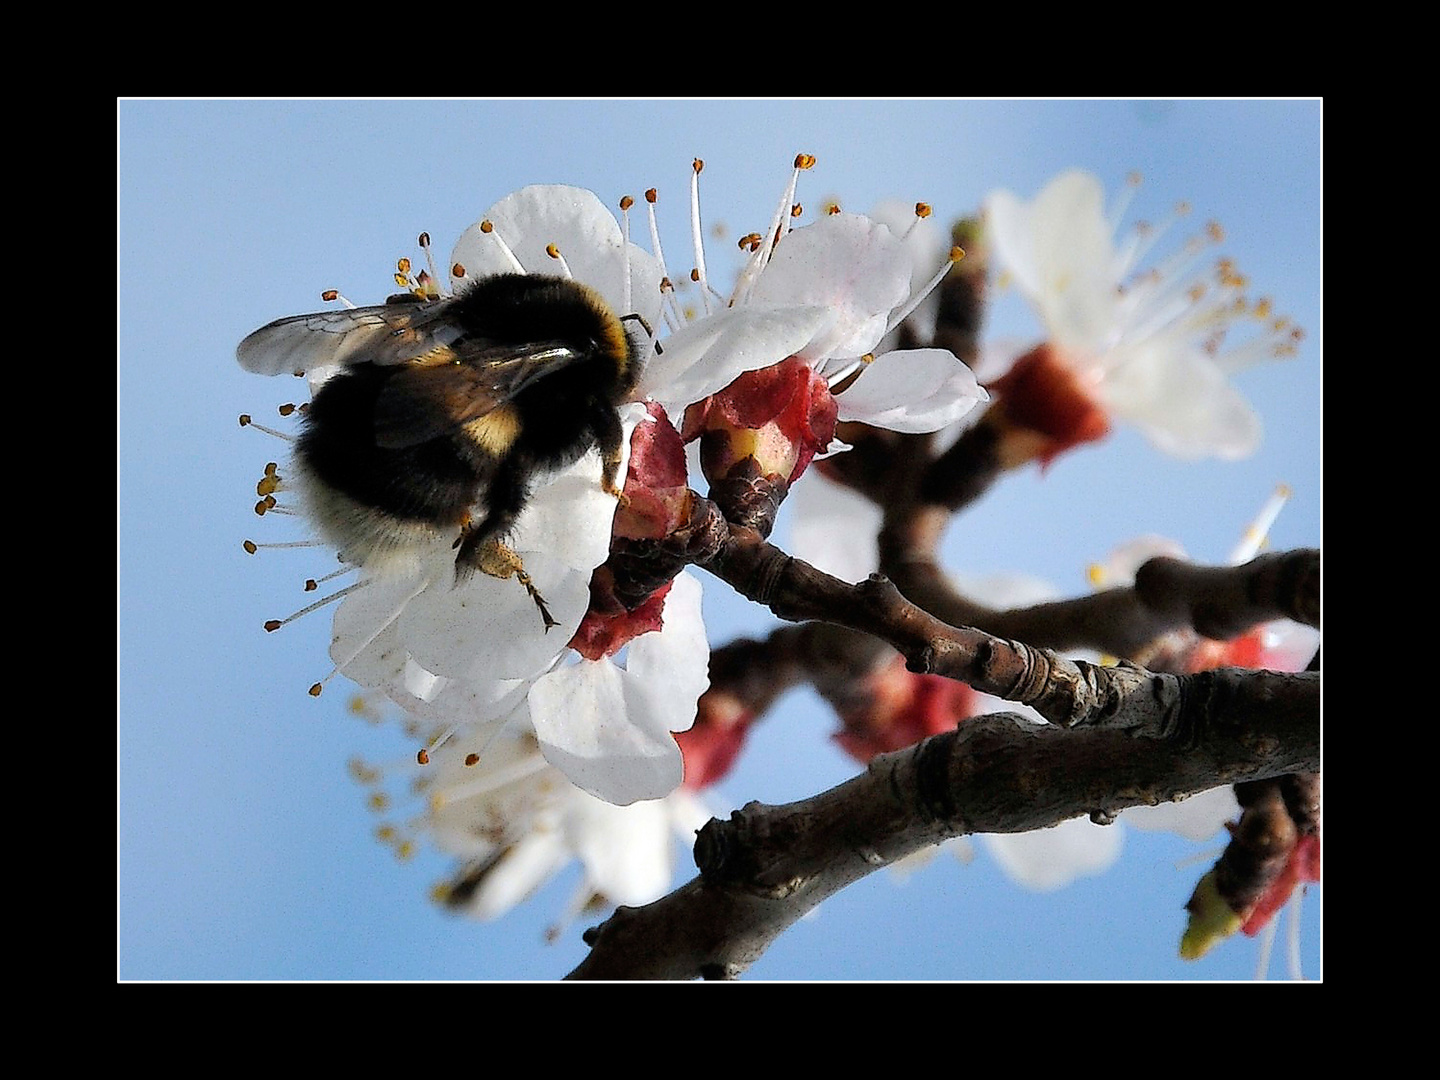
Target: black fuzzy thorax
[{"x": 561, "y": 416}]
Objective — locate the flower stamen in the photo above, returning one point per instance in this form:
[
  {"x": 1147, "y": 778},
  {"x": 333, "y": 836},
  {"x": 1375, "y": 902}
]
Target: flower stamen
[
  {"x": 625, "y": 203},
  {"x": 696, "y": 235},
  {"x": 247, "y": 421},
  {"x": 271, "y": 625},
  {"x": 1252, "y": 542},
  {"x": 487, "y": 228},
  {"x": 553, "y": 250},
  {"x": 918, "y": 297}
]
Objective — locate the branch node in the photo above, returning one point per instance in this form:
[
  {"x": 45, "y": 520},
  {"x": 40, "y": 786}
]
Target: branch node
[{"x": 712, "y": 846}]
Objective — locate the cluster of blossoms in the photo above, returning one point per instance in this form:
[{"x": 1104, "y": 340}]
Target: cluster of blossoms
[
  {"x": 542, "y": 747},
  {"x": 598, "y": 699},
  {"x": 1154, "y": 347}
]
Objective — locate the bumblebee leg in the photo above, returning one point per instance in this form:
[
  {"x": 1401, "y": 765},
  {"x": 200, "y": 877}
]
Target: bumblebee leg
[
  {"x": 610, "y": 437},
  {"x": 491, "y": 557}
]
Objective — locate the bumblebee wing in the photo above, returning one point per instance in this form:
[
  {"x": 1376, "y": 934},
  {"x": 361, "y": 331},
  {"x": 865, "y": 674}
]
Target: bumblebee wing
[
  {"x": 430, "y": 397},
  {"x": 384, "y": 334}
]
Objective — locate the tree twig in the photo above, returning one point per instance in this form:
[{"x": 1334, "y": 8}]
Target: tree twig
[{"x": 768, "y": 865}]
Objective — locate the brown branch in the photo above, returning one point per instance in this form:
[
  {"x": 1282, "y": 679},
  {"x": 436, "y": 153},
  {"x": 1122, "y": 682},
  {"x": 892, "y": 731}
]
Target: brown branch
[
  {"x": 1065, "y": 692},
  {"x": 767, "y": 865}
]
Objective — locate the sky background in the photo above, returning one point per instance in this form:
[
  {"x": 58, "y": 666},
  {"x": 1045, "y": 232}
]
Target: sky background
[{"x": 244, "y": 850}]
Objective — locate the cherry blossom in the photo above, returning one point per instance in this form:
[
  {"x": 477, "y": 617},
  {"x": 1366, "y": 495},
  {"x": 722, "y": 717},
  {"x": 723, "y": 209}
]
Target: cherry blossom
[
  {"x": 471, "y": 656},
  {"x": 1149, "y": 347},
  {"x": 513, "y": 822}
]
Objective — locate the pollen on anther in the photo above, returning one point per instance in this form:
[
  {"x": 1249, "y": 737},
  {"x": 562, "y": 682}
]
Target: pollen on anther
[
  {"x": 315, "y": 689},
  {"x": 487, "y": 226},
  {"x": 804, "y": 161},
  {"x": 697, "y": 164},
  {"x": 330, "y": 294},
  {"x": 402, "y": 265},
  {"x": 626, "y": 202},
  {"x": 922, "y": 210},
  {"x": 472, "y": 759},
  {"x": 457, "y": 271},
  {"x": 422, "y": 757},
  {"x": 250, "y": 547},
  {"x": 246, "y": 420},
  {"x": 552, "y": 251},
  {"x": 651, "y": 195}
]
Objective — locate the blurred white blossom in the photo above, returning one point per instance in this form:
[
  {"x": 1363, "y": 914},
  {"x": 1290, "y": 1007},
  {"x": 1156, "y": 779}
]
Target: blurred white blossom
[{"x": 1155, "y": 347}]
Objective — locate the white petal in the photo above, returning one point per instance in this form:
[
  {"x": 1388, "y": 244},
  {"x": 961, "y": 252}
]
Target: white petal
[
  {"x": 928, "y": 248},
  {"x": 856, "y": 267},
  {"x": 493, "y": 623},
  {"x": 708, "y": 354},
  {"x": 1060, "y": 249},
  {"x": 1289, "y": 646},
  {"x": 582, "y": 720},
  {"x": 365, "y": 643},
  {"x": 524, "y": 868},
  {"x": 1118, "y": 570},
  {"x": 570, "y": 516},
  {"x": 628, "y": 851},
  {"x": 912, "y": 390},
  {"x": 1197, "y": 818},
  {"x": 668, "y": 669},
  {"x": 1182, "y": 401},
  {"x": 1051, "y": 858},
  {"x": 833, "y": 528},
  {"x": 585, "y": 231}
]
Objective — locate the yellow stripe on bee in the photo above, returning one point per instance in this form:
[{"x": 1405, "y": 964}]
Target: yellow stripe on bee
[
  {"x": 436, "y": 356},
  {"x": 495, "y": 431}
]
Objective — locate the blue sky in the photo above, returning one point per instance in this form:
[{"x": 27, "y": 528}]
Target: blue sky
[{"x": 244, "y": 849}]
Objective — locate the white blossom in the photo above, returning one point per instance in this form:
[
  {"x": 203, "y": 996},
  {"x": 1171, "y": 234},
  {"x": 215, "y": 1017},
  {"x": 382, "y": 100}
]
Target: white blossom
[
  {"x": 1149, "y": 345},
  {"x": 471, "y": 656}
]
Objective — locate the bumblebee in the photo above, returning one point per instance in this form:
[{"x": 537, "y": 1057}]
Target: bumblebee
[{"x": 443, "y": 412}]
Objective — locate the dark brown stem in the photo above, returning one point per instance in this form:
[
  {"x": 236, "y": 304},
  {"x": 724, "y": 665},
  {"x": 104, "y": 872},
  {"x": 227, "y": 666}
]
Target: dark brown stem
[{"x": 768, "y": 865}]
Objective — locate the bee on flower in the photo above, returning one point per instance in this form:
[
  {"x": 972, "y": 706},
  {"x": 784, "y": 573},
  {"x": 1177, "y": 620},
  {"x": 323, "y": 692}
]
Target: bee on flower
[{"x": 466, "y": 437}]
